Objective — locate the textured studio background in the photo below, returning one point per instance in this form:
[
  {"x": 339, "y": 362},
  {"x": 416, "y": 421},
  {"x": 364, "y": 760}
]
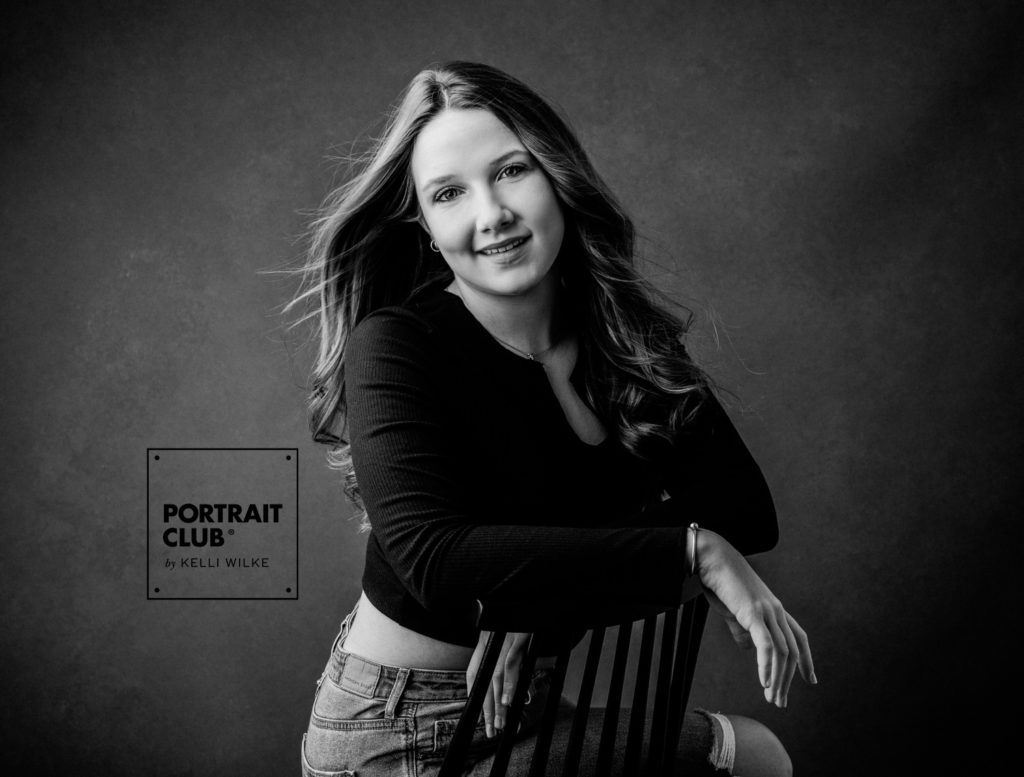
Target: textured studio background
[{"x": 834, "y": 188}]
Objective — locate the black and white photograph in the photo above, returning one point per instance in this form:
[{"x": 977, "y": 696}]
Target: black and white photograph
[{"x": 594, "y": 389}]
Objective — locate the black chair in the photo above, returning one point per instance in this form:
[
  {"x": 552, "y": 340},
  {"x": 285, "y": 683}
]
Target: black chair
[{"x": 681, "y": 635}]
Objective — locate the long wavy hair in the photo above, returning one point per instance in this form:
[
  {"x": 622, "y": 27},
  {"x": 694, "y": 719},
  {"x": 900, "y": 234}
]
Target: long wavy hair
[{"x": 367, "y": 250}]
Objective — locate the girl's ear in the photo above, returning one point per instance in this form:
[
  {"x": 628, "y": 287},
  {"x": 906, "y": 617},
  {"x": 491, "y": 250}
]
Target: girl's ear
[{"x": 423, "y": 223}]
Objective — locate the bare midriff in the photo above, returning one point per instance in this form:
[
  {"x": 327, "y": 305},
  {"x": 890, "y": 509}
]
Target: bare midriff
[{"x": 376, "y": 637}]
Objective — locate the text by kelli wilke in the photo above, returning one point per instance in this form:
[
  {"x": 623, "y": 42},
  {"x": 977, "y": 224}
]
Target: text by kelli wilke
[{"x": 238, "y": 562}]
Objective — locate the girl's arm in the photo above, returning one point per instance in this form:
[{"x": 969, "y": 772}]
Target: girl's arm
[
  {"x": 712, "y": 479},
  {"x": 414, "y": 490}
]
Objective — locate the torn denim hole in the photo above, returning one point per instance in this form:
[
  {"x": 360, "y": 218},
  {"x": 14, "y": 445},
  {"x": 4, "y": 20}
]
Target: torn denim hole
[{"x": 723, "y": 751}]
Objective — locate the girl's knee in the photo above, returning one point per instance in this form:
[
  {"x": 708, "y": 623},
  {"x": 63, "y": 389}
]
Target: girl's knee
[{"x": 759, "y": 753}]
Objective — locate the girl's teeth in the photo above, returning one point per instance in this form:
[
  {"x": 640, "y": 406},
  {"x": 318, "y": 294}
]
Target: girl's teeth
[{"x": 504, "y": 249}]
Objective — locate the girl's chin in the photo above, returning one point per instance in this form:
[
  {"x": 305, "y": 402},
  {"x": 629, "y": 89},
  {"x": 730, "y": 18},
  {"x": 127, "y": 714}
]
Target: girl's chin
[
  {"x": 516, "y": 280},
  {"x": 514, "y": 289}
]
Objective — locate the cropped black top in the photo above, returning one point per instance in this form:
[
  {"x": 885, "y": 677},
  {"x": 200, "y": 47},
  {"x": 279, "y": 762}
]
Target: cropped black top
[{"x": 477, "y": 487}]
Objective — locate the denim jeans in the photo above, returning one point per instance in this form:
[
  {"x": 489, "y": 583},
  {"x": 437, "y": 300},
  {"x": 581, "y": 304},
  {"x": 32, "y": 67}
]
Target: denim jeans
[{"x": 371, "y": 719}]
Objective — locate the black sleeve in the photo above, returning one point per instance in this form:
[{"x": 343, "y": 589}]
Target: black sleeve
[
  {"x": 712, "y": 479},
  {"x": 410, "y": 483}
]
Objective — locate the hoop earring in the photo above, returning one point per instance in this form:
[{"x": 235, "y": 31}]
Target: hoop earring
[{"x": 434, "y": 248}]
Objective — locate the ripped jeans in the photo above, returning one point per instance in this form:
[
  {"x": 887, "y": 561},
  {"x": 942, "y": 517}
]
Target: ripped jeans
[{"x": 370, "y": 719}]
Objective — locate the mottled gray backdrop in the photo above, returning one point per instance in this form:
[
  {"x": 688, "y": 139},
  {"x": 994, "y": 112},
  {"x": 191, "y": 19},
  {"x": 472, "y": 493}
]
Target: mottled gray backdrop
[{"x": 834, "y": 188}]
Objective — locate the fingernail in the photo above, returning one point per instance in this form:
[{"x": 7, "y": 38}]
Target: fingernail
[
  {"x": 814, "y": 679},
  {"x": 490, "y": 731},
  {"x": 504, "y": 699}
]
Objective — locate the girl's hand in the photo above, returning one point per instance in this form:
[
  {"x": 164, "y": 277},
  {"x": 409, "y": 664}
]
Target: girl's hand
[
  {"x": 741, "y": 637},
  {"x": 755, "y": 616},
  {"x": 503, "y": 680}
]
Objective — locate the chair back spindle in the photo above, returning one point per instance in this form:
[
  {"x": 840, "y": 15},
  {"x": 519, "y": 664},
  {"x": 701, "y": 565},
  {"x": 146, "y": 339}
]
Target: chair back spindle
[
  {"x": 547, "y": 724},
  {"x": 682, "y": 629}
]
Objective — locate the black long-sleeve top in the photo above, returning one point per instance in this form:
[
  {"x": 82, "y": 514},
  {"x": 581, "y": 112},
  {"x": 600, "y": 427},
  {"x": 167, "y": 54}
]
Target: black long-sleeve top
[{"x": 477, "y": 487}]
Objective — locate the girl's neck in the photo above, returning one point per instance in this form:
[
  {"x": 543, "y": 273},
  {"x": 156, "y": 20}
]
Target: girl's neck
[{"x": 530, "y": 322}]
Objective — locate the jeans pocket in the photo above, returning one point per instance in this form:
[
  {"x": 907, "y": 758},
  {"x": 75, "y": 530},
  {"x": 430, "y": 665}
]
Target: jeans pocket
[
  {"x": 309, "y": 771},
  {"x": 435, "y": 725},
  {"x": 348, "y": 734}
]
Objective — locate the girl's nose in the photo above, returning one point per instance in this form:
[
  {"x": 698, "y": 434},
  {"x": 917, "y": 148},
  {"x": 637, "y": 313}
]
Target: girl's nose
[{"x": 493, "y": 214}]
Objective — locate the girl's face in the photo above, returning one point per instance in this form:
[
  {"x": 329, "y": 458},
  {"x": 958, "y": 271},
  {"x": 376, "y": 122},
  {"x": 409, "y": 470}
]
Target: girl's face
[{"x": 486, "y": 203}]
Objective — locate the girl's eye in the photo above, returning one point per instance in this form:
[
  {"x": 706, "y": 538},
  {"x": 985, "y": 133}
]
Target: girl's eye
[
  {"x": 445, "y": 195},
  {"x": 512, "y": 170}
]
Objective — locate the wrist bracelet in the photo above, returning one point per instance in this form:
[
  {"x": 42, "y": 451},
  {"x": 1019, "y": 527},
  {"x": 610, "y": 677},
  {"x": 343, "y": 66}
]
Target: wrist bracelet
[{"x": 691, "y": 549}]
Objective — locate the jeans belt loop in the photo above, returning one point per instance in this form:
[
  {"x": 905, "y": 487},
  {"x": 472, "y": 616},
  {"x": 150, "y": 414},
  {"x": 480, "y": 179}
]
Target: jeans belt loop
[{"x": 396, "y": 693}]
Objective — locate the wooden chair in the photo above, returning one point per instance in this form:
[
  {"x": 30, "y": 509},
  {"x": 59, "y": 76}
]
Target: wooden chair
[{"x": 681, "y": 635}]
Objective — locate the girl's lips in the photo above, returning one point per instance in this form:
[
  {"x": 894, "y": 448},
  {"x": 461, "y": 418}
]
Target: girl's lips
[
  {"x": 509, "y": 257},
  {"x": 505, "y": 247}
]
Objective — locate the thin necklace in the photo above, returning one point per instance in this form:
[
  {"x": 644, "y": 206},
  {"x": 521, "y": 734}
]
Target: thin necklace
[{"x": 531, "y": 355}]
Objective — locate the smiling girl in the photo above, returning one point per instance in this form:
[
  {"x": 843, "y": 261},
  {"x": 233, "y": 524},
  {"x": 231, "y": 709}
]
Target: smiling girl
[{"x": 522, "y": 420}]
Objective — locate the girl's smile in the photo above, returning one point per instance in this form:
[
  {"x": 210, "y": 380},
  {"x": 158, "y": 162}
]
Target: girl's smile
[{"x": 504, "y": 247}]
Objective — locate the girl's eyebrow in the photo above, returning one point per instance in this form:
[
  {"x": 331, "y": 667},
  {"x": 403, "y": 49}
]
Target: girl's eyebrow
[{"x": 443, "y": 179}]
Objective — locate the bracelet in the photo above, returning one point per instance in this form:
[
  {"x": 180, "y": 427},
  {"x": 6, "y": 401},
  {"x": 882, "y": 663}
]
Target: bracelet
[{"x": 691, "y": 549}]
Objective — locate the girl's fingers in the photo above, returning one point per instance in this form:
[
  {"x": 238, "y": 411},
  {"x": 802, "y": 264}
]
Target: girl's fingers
[
  {"x": 780, "y": 655},
  {"x": 763, "y": 646},
  {"x": 496, "y": 687},
  {"x": 513, "y": 661},
  {"x": 794, "y": 656},
  {"x": 805, "y": 661},
  {"x": 516, "y": 643},
  {"x": 494, "y": 693},
  {"x": 489, "y": 711},
  {"x": 496, "y": 690},
  {"x": 508, "y": 661},
  {"x": 509, "y": 688},
  {"x": 503, "y": 679}
]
